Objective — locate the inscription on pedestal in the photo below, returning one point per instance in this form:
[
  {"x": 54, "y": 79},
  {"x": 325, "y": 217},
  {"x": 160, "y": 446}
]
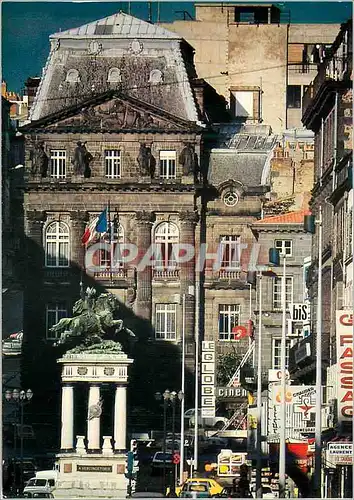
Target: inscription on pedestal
[{"x": 94, "y": 468}]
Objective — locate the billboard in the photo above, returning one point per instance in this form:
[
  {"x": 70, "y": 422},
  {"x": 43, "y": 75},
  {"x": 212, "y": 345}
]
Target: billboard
[
  {"x": 344, "y": 339},
  {"x": 300, "y": 411}
]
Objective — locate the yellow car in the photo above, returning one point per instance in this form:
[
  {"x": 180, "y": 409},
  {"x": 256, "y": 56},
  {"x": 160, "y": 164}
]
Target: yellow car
[{"x": 213, "y": 487}]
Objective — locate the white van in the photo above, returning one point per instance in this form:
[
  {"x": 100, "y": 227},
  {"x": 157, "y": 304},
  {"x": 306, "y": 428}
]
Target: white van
[{"x": 44, "y": 482}]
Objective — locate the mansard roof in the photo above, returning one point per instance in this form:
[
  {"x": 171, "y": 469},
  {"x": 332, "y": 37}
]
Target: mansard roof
[
  {"x": 243, "y": 155},
  {"x": 148, "y": 62},
  {"x": 119, "y": 25}
]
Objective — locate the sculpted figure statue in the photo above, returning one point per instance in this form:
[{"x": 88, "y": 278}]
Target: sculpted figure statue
[
  {"x": 82, "y": 159},
  {"x": 39, "y": 160},
  {"x": 188, "y": 159},
  {"x": 146, "y": 161},
  {"x": 93, "y": 323}
]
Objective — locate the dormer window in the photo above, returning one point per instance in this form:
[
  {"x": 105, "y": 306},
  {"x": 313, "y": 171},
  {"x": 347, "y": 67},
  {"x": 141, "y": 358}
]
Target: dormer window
[
  {"x": 155, "y": 77},
  {"x": 114, "y": 75},
  {"x": 72, "y": 76}
]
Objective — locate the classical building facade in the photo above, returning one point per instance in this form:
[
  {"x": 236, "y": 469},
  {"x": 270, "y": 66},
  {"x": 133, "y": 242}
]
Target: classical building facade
[{"x": 328, "y": 112}]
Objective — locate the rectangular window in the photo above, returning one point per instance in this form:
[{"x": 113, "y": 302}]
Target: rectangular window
[
  {"x": 243, "y": 104},
  {"x": 277, "y": 292},
  {"x": 165, "y": 321},
  {"x": 58, "y": 164},
  {"x": 230, "y": 252},
  {"x": 112, "y": 159},
  {"x": 229, "y": 316},
  {"x": 284, "y": 246},
  {"x": 54, "y": 313},
  {"x": 293, "y": 96},
  {"x": 168, "y": 164},
  {"x": 276, "y": 353}
]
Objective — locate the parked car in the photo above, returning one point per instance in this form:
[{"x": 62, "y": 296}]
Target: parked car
[
  {"x": 147, "y": 494},
  {"x": 161, "y": 460},
  {"x": 12, "y": 345},
  {"x": 195, "y": 490},
  {"x": 212, "y": 486},
  {"x": 216, "y": 422}
]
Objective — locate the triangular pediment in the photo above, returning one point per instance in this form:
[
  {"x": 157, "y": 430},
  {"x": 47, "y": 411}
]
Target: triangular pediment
[
  {"x": 112, "y": 112},
  {"x": 119, "y": 25}
]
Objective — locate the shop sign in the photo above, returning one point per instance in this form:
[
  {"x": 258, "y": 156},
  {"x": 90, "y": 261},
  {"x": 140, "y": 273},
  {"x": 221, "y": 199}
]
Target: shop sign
[
  {"x": 340, "y": 453},
  {"x": 208, "y": 379},
  {"x": 344, "y": 338},
  {"x": 302, "y": 352},
  {"x": 229, "y": 462}
]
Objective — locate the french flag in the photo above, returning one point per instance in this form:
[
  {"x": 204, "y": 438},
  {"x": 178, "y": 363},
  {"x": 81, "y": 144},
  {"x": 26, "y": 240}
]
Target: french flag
[{"x": 99, "y": 225}]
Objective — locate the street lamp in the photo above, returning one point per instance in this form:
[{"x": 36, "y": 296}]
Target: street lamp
[
  {"x": 310, "y": 226},
  {"x": 20, "y": 397},
  {"x": 274, "y": 258},
  {"x": 252, "y": 281}
]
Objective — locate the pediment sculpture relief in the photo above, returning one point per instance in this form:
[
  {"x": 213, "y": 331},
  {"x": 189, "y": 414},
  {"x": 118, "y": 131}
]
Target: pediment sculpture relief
[{"x": 113, "y": 115}]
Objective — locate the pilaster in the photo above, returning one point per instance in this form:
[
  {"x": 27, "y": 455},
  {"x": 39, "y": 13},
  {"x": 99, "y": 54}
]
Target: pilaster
[
  {"x": 78, "y": 225},
  {"x": 144, "y": 273},
  {"x": 188, "y": 221}
]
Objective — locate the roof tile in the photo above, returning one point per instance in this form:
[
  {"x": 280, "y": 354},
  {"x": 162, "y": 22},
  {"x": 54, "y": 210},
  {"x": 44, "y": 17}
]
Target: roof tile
[{"x": 289, "y": 218}]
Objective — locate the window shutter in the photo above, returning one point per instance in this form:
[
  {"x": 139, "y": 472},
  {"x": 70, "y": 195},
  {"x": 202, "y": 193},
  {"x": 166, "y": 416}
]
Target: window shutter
[{"x": 295, "y": 53}]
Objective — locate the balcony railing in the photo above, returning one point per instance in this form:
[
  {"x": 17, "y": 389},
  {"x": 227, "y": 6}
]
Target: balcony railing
[
  {"x": 229, "y": 275},
  {"x": 107, "y": 274},
  {"x": 56, "y": 272},
  {"x": 305, "y": 68},
  {"x": 168, "y": 274}
]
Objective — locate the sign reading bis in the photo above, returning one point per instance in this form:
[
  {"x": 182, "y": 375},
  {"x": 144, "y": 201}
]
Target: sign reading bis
[
  {"x": 344, "y": 338},
  {"x": 208, "y": 379},
  {"x": 300, "y": 312}
]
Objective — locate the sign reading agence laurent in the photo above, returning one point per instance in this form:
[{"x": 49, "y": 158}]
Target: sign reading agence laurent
[{"x": 94, "y": 468}]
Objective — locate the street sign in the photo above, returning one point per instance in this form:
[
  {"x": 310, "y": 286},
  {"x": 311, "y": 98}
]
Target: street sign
[
  {"x": 176, "y": 458},
  {"x": 300, "y": 312},
  {"x": 239, "y": 332}
]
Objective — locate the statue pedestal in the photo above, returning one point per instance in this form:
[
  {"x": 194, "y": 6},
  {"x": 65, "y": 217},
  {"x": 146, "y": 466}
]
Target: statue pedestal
[
  {"x": 188, "y": 179},
  {"x": 95, "y": 466}
]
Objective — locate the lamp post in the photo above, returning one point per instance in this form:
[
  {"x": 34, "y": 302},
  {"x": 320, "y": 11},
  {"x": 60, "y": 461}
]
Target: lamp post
[
  {"x": 165, "y": 396},
  {"x": 183, "y": 389},
  {"x": 310, "y": 226},
  {"x": 20, "y": 397},
  {"x": 252, "y": 280},
  {"x": 181, "y": 464},
  {"x": 274, "y": 258}
]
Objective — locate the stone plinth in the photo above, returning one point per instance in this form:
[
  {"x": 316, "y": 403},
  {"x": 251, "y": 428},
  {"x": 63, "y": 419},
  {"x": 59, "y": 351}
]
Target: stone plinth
[
  {"x": 94, "y": 465},
  {"x": 91, "y": 476}
]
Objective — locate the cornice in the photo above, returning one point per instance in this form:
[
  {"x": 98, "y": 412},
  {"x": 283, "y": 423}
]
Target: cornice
[{"x": 100, "y": 186}]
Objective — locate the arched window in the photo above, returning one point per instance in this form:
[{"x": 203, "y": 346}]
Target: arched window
[
  {"x": 72, "y": 76},
  {"x": 114, "y": 75},
  {"x": 166, "y": 235},
  {"x": 57, "y": 241},
  {"x": 110, "y": 259}
]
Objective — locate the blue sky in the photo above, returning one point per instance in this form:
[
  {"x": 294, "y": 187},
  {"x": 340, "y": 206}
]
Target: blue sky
[{"x": 26, "y": 26}]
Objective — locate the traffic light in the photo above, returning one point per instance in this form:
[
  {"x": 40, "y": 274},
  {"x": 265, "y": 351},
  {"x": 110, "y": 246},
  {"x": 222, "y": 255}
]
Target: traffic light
[
  {"x": 309, "y": 224},
  {"x": 134, "y": 446},
  {"x": 274, "y": 256}
]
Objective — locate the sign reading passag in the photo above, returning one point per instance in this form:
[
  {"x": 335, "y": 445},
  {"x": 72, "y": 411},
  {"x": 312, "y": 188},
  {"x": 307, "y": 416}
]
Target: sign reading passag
[{"x": 344, "y": 338}]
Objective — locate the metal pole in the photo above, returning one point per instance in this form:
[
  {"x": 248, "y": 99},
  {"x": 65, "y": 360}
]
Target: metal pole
[
  {"x": 282, "y": 437},
  {"x": 318, "y": 427},
  {"x": 173, "y": 485},
  {"x": 196, "y": 388},
  {"x": 164, "y": 445},
  {"x": 21, "y": 446},
  {"x": 259, "y": 396},
  {"x": 15, "y": 449},
  {"x": 181, "y": 466},
  {"x": 352, "y": 207}
]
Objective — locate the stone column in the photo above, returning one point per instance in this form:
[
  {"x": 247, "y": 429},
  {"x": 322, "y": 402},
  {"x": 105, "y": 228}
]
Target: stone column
[
  {"x": 78, "y": 225},
  {"x": 120, "y": 418},
  {"x": 188, "y": 221},
  {"x": 67, "y": 418},
  {"x": 93, "y": 422},
  {"x": 144, "y": 276}
]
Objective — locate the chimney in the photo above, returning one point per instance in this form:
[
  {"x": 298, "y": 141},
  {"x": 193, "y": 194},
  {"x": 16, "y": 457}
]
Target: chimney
[
  {"x": 198, "y": 87},
  {"x": 31, "y": 86}
]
